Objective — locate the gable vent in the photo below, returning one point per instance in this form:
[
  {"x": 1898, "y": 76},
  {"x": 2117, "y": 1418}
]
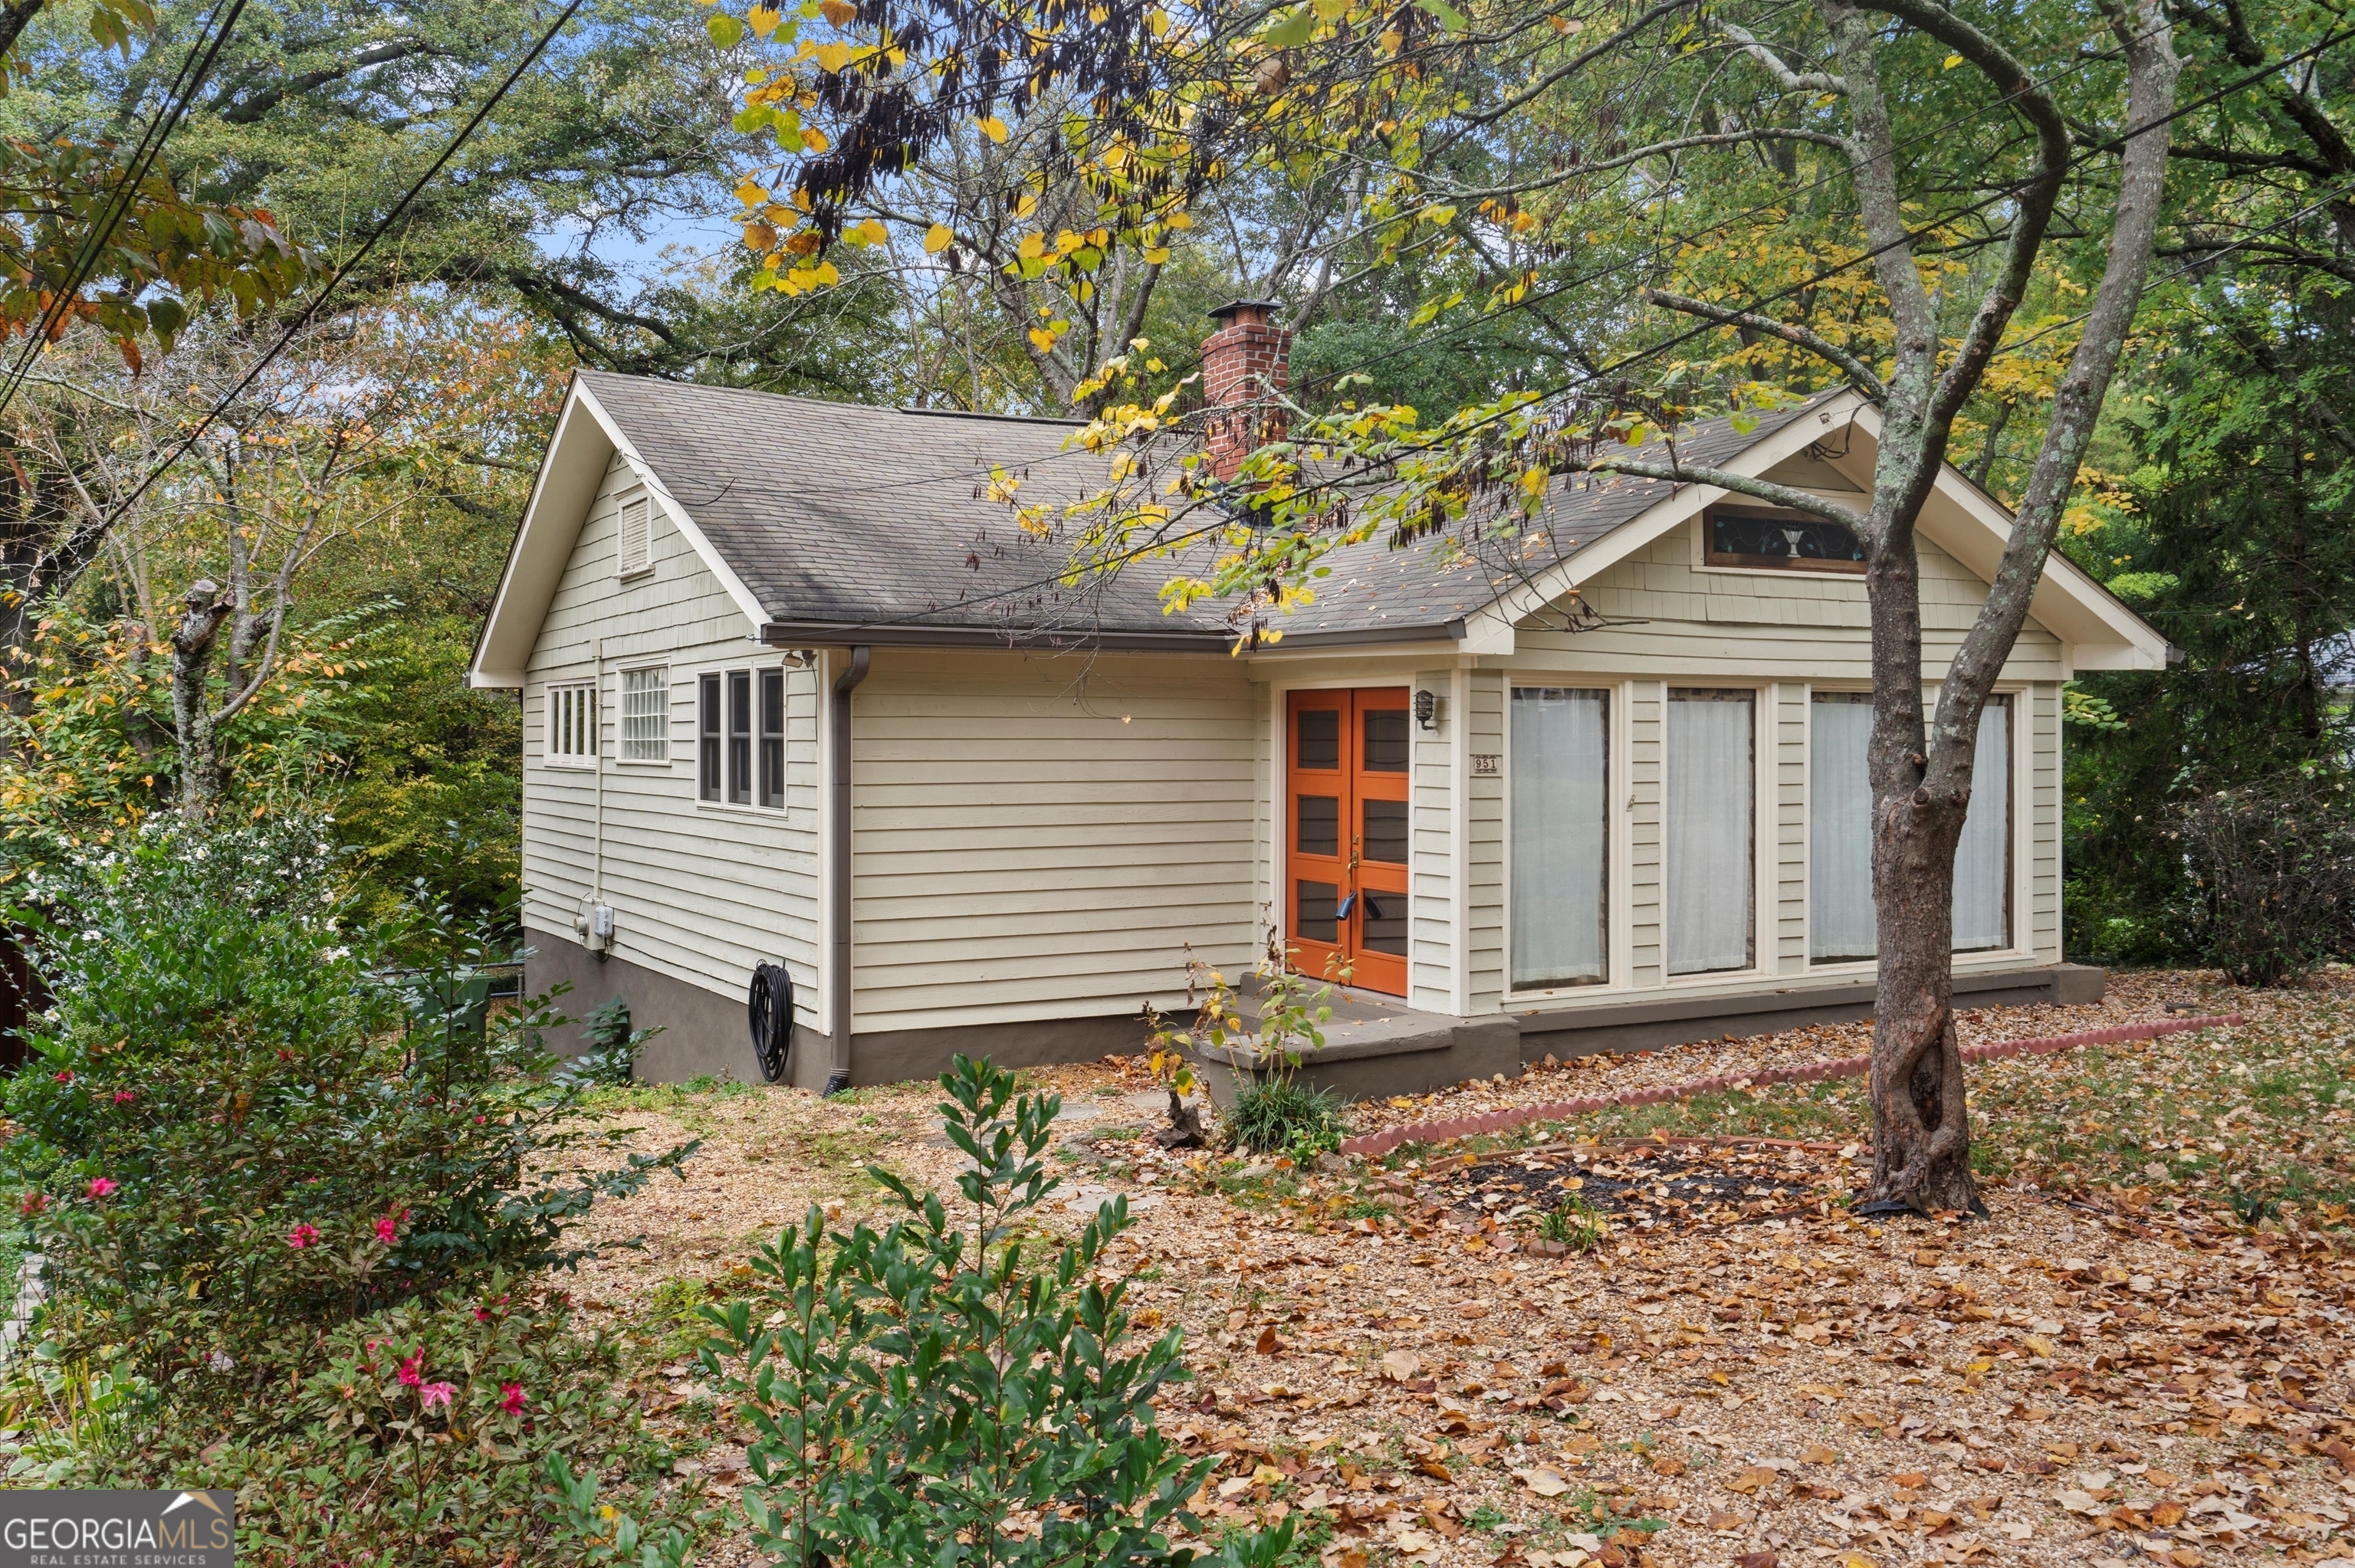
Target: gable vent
[{"x": 636, "y": 552}]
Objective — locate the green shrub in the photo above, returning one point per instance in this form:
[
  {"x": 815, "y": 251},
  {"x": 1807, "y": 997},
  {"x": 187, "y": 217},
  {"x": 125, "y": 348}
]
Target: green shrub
[
  {"x": 952, "y": 1391},
  {"x": 1276, "y": 1115},
  {"x": 420, "y": 1439},
  {"x": 2274, "y": 867},
  {"x": 234, "y": 1134},
  {"x": 608, "y": 1046}
]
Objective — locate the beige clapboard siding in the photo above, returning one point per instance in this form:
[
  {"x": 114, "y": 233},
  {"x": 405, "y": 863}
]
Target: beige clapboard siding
[
  {"x": 1431, "y": 861},
  {"x": 1484, "y": 893},
  {"x": 1646, "y": 747},
  {"x": 2044, "y": 704},
  {"x": 702, "y": 894},
  {"x": 1042, "y": 838},
  {"x": 1785, "y": 749},
  {"x": 1698, "y": 621}
]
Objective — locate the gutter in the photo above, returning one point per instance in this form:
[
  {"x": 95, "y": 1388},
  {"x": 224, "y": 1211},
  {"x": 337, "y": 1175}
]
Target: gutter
[
  {"x": 800, "y": 633},
  {"x": 886, "y": 634},
  {"x": 838, "y": 871}
]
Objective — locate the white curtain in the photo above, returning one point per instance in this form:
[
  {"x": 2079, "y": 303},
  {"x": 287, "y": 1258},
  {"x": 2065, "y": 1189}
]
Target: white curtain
[
  {"x": 1839, "y": 829},
  {"x": 1983, "y": 856},
  {"x": 1560, "y": 814},
  {"x": 1710, "y": 800}
]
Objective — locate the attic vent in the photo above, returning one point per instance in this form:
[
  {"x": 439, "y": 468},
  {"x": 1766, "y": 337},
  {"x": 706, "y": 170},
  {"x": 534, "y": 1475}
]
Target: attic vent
[{"x": 636, "y": 552}]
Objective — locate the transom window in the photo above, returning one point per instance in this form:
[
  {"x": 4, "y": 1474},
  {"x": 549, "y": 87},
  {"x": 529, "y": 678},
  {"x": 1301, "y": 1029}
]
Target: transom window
[
  {"x": 645, "y": 715},
  {"x": 571, "y": 716},
  {"x": 1780, "y": 541}
]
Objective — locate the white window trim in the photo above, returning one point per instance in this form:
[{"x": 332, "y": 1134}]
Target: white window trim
[
  {"x": 580, "y": 761},
  {"x": 623, "y": 568},
  {"x": 1618, "y": 883},
  {"x": 621, "y": 716},
  {"x": 751, "y": 809},
  {"x": 2023, "y": 832}
]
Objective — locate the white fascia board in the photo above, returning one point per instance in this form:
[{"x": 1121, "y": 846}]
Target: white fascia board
[
  {"x": 1491, "y": 630},
  {"x": 753, "y": 610},
  {"x": 576, "y": 458},
  {"x": 2099, "y": 632},
  {"x": 578, "y": 455}
]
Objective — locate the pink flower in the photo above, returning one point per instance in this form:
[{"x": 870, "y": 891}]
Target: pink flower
[
  {"x": 66, "y": 1076},
  {"x": 411, "y": 1373},
  {"x": 100, "y": 1186},
  {"x": 435, "y": 1393},
  {"x": 301, "y": 1235},
  {"x": 125, "y": 1096},
  {"x": 33, "y": 1204},
  {"x": 511, "y": 1398},
  {"x": 388, "y": 1227}
]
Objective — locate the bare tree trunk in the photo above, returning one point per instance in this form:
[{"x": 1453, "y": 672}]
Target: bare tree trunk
[{"x": 193, "y": 722}]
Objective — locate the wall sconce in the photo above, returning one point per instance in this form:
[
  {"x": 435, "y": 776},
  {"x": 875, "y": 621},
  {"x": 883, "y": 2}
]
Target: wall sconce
[{"x": 1425, "y": 706}]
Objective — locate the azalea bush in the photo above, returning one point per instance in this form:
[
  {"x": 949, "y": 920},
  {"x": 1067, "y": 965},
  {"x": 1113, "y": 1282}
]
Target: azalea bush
[{"x": 242, "y": 1124}]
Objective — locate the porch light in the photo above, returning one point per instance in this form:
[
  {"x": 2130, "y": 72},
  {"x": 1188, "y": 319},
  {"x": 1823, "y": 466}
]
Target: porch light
[{"x": 1425, "y": 705}]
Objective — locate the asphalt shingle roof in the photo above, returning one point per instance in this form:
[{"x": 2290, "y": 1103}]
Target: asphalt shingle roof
[{"x": 862, "y": 516}]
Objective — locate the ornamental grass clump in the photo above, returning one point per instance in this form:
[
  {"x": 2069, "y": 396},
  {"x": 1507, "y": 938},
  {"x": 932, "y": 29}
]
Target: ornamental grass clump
[{"x": 961, "y": 1389}]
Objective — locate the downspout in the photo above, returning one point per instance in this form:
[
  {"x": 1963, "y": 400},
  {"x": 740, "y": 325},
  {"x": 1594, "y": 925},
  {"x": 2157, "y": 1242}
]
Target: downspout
[
  {"x": 838, "y": 866},
  {"x": 597, "y": 757}
]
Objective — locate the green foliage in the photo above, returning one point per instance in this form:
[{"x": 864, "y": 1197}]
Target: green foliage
[
  {"x": 2273, "y": 868},
  {"x": 951, "y": 1390},
  {"x": 608, "y": 1046},
  {"x": 1277, "y": 1115},
  {"x": 1574, "y": 1223},
  {"x": 234, "y": 1135}
]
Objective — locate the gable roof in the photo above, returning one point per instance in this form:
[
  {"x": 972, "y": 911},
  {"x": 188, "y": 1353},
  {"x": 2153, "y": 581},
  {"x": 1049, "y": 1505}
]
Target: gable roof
[{"x": 847, "y": 522}]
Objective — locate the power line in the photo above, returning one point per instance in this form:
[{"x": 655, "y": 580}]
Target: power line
[
  {"x": 194, "y": 66},
  {"x": 375, "y": 232}
]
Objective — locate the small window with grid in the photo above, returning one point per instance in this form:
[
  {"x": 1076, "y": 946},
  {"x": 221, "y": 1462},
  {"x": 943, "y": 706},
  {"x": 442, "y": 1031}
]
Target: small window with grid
[
  {"x": 572, "y": 739},
  {"x": 645, "y": 715}
]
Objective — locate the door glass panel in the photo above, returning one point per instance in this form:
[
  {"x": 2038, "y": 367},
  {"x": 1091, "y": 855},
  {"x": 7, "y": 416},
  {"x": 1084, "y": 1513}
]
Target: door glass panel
[
  {"x": 1561, "y": 839},
  {"x": 1315, "y": 921},
  {"x": 1385, "y": 830},
  {"x": 1320, "y": 825},
  {"x": 1320, "y": 739},
  {"x": 1385, "y": 923},
  {"x": 1386, "y": 740}
]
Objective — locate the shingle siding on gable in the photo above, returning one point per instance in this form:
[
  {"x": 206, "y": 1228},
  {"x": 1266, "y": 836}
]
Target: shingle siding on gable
[{"x": 699, "y": 894}]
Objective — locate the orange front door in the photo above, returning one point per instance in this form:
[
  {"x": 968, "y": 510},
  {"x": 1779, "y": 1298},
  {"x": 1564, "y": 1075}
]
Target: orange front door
[{"x": 1346, "y": 835}]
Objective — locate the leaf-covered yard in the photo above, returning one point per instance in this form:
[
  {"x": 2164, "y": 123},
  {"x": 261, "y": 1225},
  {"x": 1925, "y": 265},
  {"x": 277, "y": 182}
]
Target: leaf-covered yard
[{"x": 2139, "y": 1358}]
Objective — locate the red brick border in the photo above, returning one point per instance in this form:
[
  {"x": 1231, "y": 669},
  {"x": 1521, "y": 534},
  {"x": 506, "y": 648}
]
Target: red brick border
[{"x": 1382, "y": 1143}]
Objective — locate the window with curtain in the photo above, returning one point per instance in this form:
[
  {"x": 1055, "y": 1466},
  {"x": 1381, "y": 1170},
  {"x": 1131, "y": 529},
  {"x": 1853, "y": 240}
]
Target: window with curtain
[
  {"x": 1712, "y": 796},
  {"x": 1839, "y": 829},
  {"x": 1983, "y": 855},
  {"x": 1561, "y": 838},
  {"x": 1841, "y": 927}
]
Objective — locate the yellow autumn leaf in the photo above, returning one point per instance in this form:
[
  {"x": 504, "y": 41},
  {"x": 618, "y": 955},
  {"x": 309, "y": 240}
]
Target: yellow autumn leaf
[
  {"x": 837, "y": 13},
  {"x": 1033, "y": 246},
  {"x": 873, "y": 231},
  {"x": 751, "y": 193},
  {"x": 1042, "y": 340},
  {"x": 938, "y": 239},
  {"x": 833, "y": 57},
  {"x": 764, "y": 19},
  {"x": 1154, "y": 255},
  {"x": 1954, "y": 61},
  {"x": 992, "y": 127}
]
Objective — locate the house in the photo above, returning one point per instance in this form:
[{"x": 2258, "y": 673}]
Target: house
[{"x": 797, "y": 692}]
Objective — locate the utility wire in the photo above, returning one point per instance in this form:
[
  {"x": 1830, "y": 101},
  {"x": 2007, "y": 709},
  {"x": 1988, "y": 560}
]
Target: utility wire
[
  {"x": 193, "y": 68},
  {"x": 302, "y": 319}
]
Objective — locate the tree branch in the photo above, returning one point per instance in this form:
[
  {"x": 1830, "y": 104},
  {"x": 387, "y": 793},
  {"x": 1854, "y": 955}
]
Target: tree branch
[
  {"x": 1764, "y": 489},
  {"x": 1792, "y": 81},
  {"x": 1867, "y": 380}
]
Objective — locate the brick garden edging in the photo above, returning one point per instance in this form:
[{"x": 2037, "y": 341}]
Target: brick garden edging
[{"x": 1382, "y": 1143}]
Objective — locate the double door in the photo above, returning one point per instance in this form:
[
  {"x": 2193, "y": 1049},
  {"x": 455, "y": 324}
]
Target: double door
[{"x": 1347, "y": 834}]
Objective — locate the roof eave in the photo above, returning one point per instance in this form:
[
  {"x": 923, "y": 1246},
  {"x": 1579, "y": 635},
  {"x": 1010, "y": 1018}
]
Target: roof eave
[{"x": 902, "y": 634}]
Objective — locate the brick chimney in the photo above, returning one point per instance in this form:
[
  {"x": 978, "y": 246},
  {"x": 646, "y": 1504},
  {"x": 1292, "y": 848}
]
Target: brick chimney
[{"x": 1243, "y": 363}]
